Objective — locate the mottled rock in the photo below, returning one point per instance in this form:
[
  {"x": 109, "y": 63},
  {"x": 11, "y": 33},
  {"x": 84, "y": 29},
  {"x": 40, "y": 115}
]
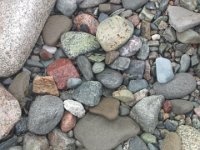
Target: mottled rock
[
  {"x": 136, "y": 85},
  {"x": 171, "y": 142},
  {"x": 121, "y": 63},
  {"x": 189, "y": 37},
  {"x": 68, "y": 122},
  {"x": 111, "y": 56},
  {"x": 180, "y": 106},
  {"x": 140, "y": 94},
  {"x": 91, "y": 3},
  {"x": 133, "y": 4},
  {"x": 67, "y": 8},
  {"x": 98, "y": 67},
  {"x": 124, "y": 95}
]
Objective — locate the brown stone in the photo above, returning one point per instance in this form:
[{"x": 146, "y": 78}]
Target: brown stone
[
  {"x": 108, "y": 108},
  {"x": 171, "y": 142},
  {"x": 45, "y": 85},
  {"x": 111, "y": 56},
  {"x": 68, "y": 122}
]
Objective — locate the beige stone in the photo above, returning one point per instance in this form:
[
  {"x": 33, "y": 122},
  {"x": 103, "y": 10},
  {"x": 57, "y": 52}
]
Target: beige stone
[{"x": 171, "y": 142}]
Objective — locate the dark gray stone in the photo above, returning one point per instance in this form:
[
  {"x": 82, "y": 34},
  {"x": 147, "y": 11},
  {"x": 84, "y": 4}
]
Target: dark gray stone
[
  {"x": 8, "y": 143},
  {"x": 181, "y": 107},
  {"x": 136, "y": 85},
  {"x": 133, "y": 4},
  {"x": 21, "y": 126},
  {"x": 185, "y": 63},
  {"x": 143, "y": 52},
  {"x": 170, "y": 35},
  {"x": 137, "y": 143},
  {"x": 171, "y": 125},
  {"x": 121, "y": 63}
]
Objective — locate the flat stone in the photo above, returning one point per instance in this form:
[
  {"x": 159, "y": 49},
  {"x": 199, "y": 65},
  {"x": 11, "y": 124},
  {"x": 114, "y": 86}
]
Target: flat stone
[
  {"x": 121, "y": 63},
  {"x": 111, "y": 56},
  {"x": 133, "y": 4},
  {"x": 180, "y": 106},
  {"x": 136, "y": 143},
  {"x": 189, "y": 137},
  {"x": 182, "y": 19},
  {"x": 44, "y": 114},
  {"x": 88, "y": 93},
  {"x": 113, "y": 32},
  {"x": 164, "y": 71},
  {"x": 68, "y": 122},
  {"x": 67, "y": 8},
  {"x": 185, "y": 63},
  {"x": 136, "y": 85},
  {"x": 62, "y": 69},
  {"x": 17, "y": 41},
  {"x": 10, "y": 112},
  {"x": 188, "y": 37},
  {"x": 191, "y": 5},
  {"x": 182, "y": 85},
  {"x": 108, "y": 108},
  {"x": 110, "y": 78},
  {"x": 93, "y": 130},
  {"x": 77, "y": 43},
  {"x": 146, "y": 111},
  {"x": 171, "y": 142},
  {"x": 55, "y": 26},
  {"x": 91, "y": 3}
]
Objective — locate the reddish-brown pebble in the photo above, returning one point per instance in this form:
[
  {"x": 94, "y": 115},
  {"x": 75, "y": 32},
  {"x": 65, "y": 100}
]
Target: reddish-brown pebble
[
  {"x": 167, "y": 106},
  {"x": 45, "y": 55},
  {"x": 68, "y": 122}
]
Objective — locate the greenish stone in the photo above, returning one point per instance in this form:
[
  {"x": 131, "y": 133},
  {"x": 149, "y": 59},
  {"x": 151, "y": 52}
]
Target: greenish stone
[
  {"x": 124, "y": 95},
  {"x": 148, "y": 138},
  {"x": 96, "y": 57},
  {"x": 77, "y": 43}
]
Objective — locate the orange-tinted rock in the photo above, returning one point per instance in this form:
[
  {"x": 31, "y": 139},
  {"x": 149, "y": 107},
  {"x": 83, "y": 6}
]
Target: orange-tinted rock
[
  {"x": 62, "y": 69},
  {"x": 45, "y": 85},
  {"x": 45, "y": 55},
  {"x": 167, "y": 106},
  {"x": 68, "y": 122},
  {"x": 86, "y": 23}
]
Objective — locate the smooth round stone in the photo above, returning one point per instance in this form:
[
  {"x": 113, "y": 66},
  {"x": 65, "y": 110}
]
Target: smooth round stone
[
  {"x": 185, "y": 63},
  {"x": 110, "y": 78},
  {"x": 67, "y": 8},
  {"x": 113, "y": 32},
  {"x": 54, "y": 27},
  {"x": 180, "y": 106},
  {"x": 21, "y": 126},
  {"x": 171, "y": 142},
  {"x": 182, "y": 85},
  {"x": 77, "y": 43},
  {"x": 98, "y": 67},
  {"x": 18, "y": 40},
  {"x": 73, "y": 82}
]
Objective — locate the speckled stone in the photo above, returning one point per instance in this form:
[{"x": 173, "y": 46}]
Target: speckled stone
[{"x": 19, "y": 34}]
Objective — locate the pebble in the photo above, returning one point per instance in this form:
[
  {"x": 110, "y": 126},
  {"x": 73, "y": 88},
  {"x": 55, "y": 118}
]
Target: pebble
[
  {"x": 164, "y": 72},
  {"x": 33, "y": 63},
  {"x": 163, "y": 5},
  {"x": 108, "y": 108},
  {"x": 8, "y": 143},
  {"x": 111, "y": 56},
  {"x": 134, "y": 19},
  {"x": 171, "y": 142},
  {"x": 21, "y": 126},
  {"x": 190, "y": 5},
  {"x": 136, "y": 85},
  {"x": 126, "y": 13},
  {"x": 141, "y": 94},
  {"x": 67, "y": 8},
  {"x": 171, "y": 125},
  {"x": 98, "y": 67},
  {"x": 113, "y": 32},
  {"x": 167, "y": 106},
  {"x": 102, "y": 17},
  {"x": 54, "y": 27},
  {"x": 88, "y": 93},
  {"x": 143, "y": 52},
  {"x": 133, "y": 5},
  {"x": 188, "y": 37},
  {"x": 197, "y": 111},
  {"x": 124, "y": 110},
  {"x": 155, "y": 37},
  {"x": 77, "y": 43},
  {"x": 194, "y": 60},
  {"x": 146, "y": 29},
  {"x": 15, "y": 148},
  {"x": 148, "y": 138},
  {"x": 68, "y": 122},
  {"x": 136, "y": 143},
  {"x": 182, "y": 85},
  {"x": 50, "y": 49},
  {"x": 44, "y": 114},
  {"x": 180, "y": 106},
  {"x": 91, "y": 3},
  {"x": 146, "y": 111},
  {"x": 74, "y": 108},
  {"x": 121, "y": 63},
  {"x": 169, "y": 35},
  {"x": 96, "y": 57},
  {"x": 73, "y": 82},
  {"x": 93, "y": 130},
  {"x": 123, "y": 95},
  {"x": 45, "y": 55}
]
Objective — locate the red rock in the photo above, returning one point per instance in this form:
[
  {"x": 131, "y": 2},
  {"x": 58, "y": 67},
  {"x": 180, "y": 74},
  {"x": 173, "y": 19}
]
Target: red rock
[
  {"x": 167, "y": 106},
  {"x": 45, "y": 55},
  {"x": 62, "y": 69},
  {"x": 68, "y": 122},
  {"x": 134, "y": 19},
  {"x": 197, "y": 111},
  {"x": 87, "y": 23}
]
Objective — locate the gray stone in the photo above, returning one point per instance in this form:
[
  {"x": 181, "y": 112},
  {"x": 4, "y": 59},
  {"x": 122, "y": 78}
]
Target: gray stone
[
  {"x": 73, "y": 82},
  {"x": 143, "y": 52},
  {"x": 77, "y": 43},
  {"x": 8, "y": 143},
  {"x": 18, "y": 39},
  {"x": 124, "y": 110},
  {"x": 164, "y": 72},
  {"x": 194, "y": 60},
  {"x": 191, "y": 4},
  {"x": 98, "y": 67},
  {"x": 182, "y": 19},
  {"x": 93, "y": 130},
  {"x": 136, "y": 85},
  {"x": 33, "y": 63},
  {"x": 146, "y": 15},
  {"x": 189, "y": 37},
  {"x": 185, "y": 63},
  {"x": 15, "y": 148},
  {"x": 182, "y": 85},
  {"x": 88, "y": 93},
  {"x": 163, "y": 5},
  {"x": 66, "y": 7},
  {"x": 171, "y": 125},
  {"x": 136, "y": 143},
  {"x": 181, "y": 107},
  {"x": 21, "y": 126},
  {"x": 85, "y": 67},
  {"x": 91, "y": 3},
  {"x": 169, "y": 35},
  {"x": 146, "y": 111},
  {"x": 110, "y": 78},
  {"x": 44, "y": 114},
  {"x": 102, "y": 17},
  {"x": 133, "y": 4},
  {"x": 121, "y": 63}
]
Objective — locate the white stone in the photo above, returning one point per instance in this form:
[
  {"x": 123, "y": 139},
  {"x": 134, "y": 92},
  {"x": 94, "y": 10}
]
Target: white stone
[
  {"x": 50, "y": 49},
  {"x": 74, "y": 107},
  {"x": 155, "y": 37}
]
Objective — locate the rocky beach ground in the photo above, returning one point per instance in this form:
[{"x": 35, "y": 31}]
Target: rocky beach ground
[{"x": 100, "y": 75}]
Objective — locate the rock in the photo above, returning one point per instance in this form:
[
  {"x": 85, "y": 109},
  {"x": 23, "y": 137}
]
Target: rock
[
  {"x": 88, "y": 93},
  {"x": 141, "y": 94},
  {"x": 33, "y": 63},
  {"x": 54, "y": 27},
  {"x": 85, "y": 67},
  {"x": 111, "y": 56},
  {"x": 121, "y": 63},
  {"x": 86, "y": 23},
  {"x": 181, "y": 107},
  {"x": 68, "y": 122},
  {"x": 136, "y": 85},
  {"x": 169, "y": 35},
  {"x": 182, "y": 19},
  {"x": 124, "y": 95},
  {"x": 45, "y": 85},
  {"x": 194, "y": 60},
  {"x": 133, "y": 4},
  {"x": 182, "y": 85},
  {"x": 8, "y": 143},
  {"x": 146, "y": 111},
  {"x": 110, "y": 78},
  {"x": 45, "y": 55},
  {"x": 19, "y": 87},
  {"x": 67, "y": 8},
  {"x": 189, "y": 137},
  {"x": 91, "y": 3},
  {"x": 164, "y": 72},
  {"x": 18, "y": 40},
  {"x": 50, "y": 49},
  {"x": 62, "y": 69},
  {"x": 148, "y": 138},
  {"x": 108, "y": 108},
  {"x": 197, "y": 111},
  {"x": 32, "y": 142},
  {"x": 113, "y": 32},
  {"x": 102, "y": 17},
  {"x": 77, "y": 43},
  {"x": 167, "y": 106},
  {"x": 136, "y": 143},
  {"x": 185, "y": 63},
  {"x": 146, "y": 15},
  {"x": 73, "y": 82},
  {"x": 60, "y": 140},
  {"x": 188, "y": 37},
  {"x": 74, "y": 107},
  {"x": 44, "y": 114},
  {"x": 131, "y": 47},
  {"x": 21, "y": 126},
  {"x": 146, "y": 29},
  {"x": 143, "y": 52},
  {"x": 94, "y": 130},
  {"x": 136, "y": 69},
  {"x": 191, "y": 5},
  {"x": 163, "y": 5},
  {"x": 96, "y": 57},
  {"x": 15, "y": 148},
  {"x": 10, "y": 112},
  {"x": 155, "y": 37},
  {"x": 172, "y": 141},
  {"x": 171, "y": 125},
  {"x": 98, "y": 67},
  {"x": 134, "y": 19}
]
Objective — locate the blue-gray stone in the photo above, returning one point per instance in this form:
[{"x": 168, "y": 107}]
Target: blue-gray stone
[
  {"x": 185, "y": 63},
  {"x": 136, "y": 143},
  {"x": 143, "y": 52},
  {"x": 73, "y": 82},
  {"x": 121, "y": 63},
  {"x": 136, "y": 85}
]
